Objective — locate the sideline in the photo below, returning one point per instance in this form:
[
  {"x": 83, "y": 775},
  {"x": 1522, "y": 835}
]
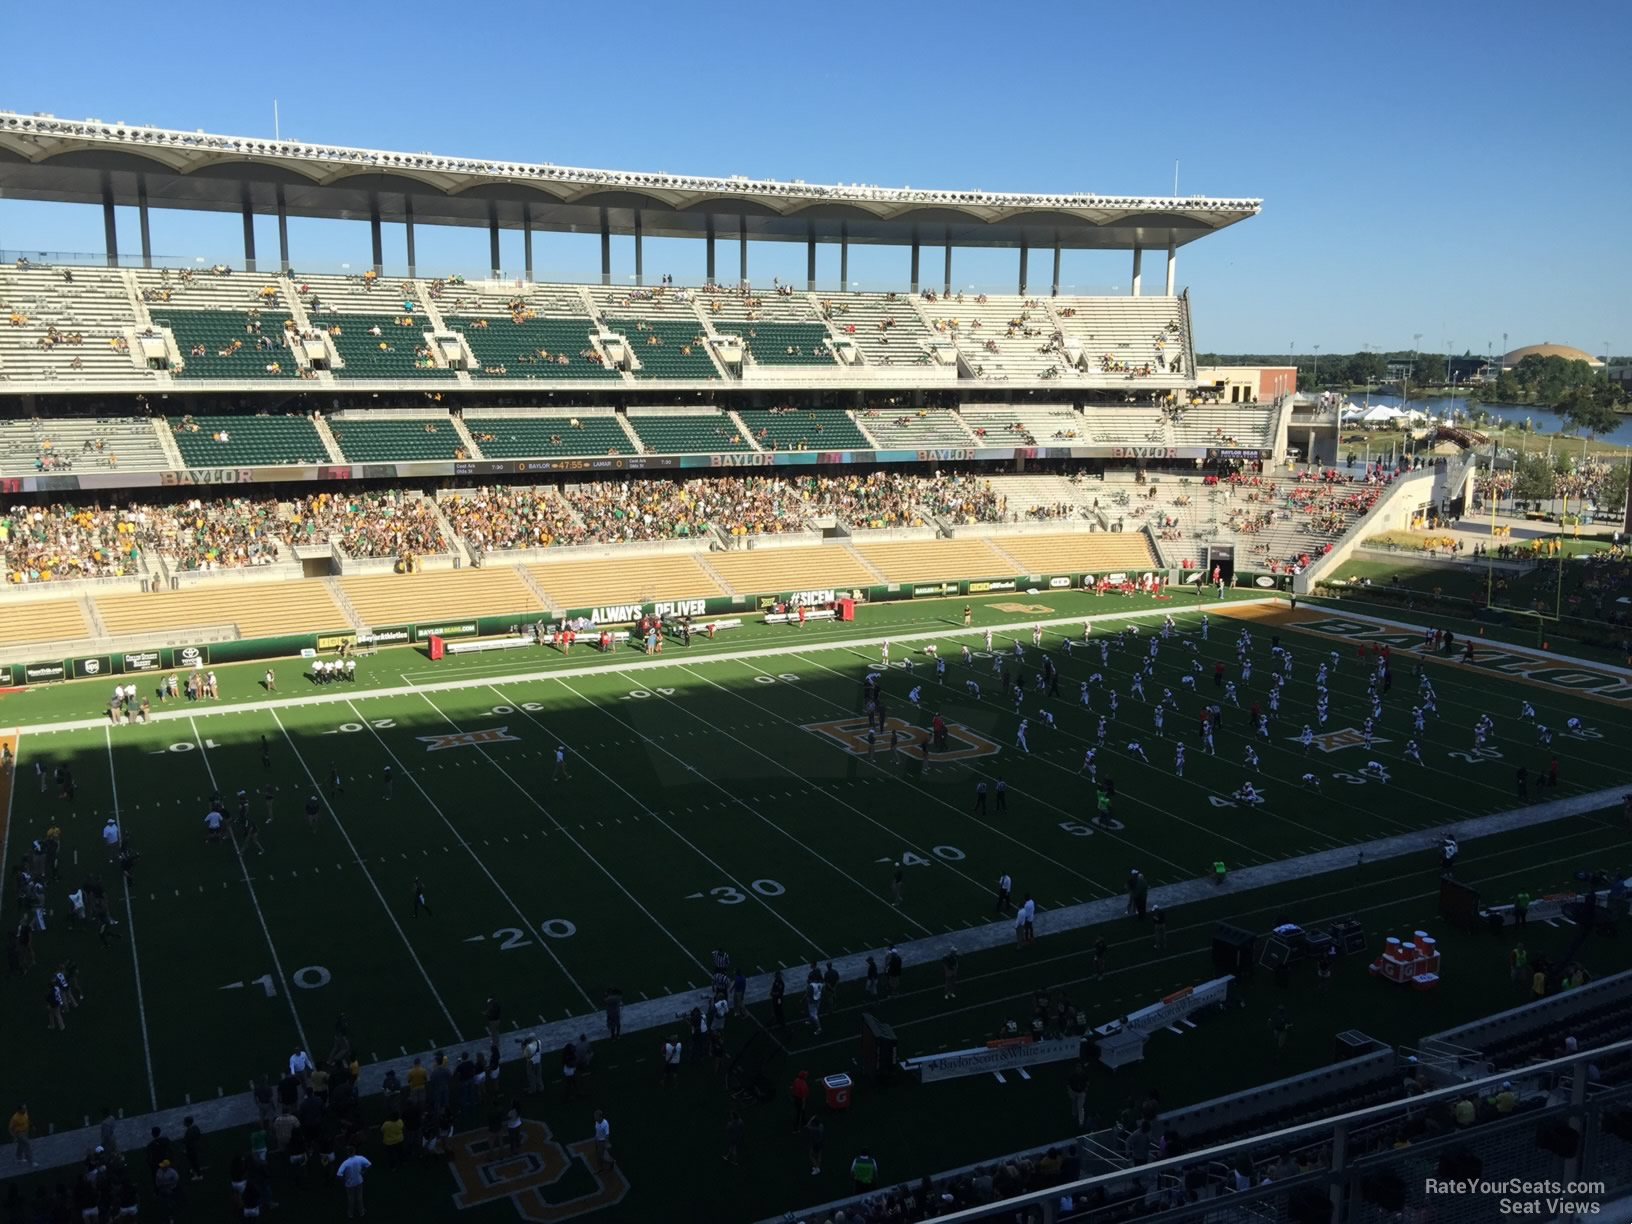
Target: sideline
[
  {"x": 58, "y": 1150},
  {"x": 340, "y": 693}
]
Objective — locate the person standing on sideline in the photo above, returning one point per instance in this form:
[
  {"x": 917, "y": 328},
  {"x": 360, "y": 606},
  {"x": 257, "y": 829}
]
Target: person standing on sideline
[
  {"x": 560, "y": 764},
  {"x": 1099, "y": 959},
  {"x": 491, "y": 1011},
  {"x": 897, "y": 883},
  {"x": 603, "y": 1141},
  {"x": 1076, "y": 1088},
  {"x": 733, "y": 1138},
  {"x": 799, "y": 1089},
  {"x": 350, "y": 1173},
  {"x": 19, "y": 1135},
  {"x": 614, "y": 1011},
  {"x": 863, "y": 1172},
  {"x": 813, "y": 1004},
  {"x": 816, "y": 1136},
  {"x": 532, "y": 1054},
  {"x": 949, "y": 963},
  {"x": 739, "y": 988},
  {"x": 419, "y": 900},
  {"x": 1158, "y": 925},
  {"x": 779, "y": 988},
  {"x": 830, "y": 988},
  {"x": 892, "y": 970},
  {"x": 1005, "y": 886}
]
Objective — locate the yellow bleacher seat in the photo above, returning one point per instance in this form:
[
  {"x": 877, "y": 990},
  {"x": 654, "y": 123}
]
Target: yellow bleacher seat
[
  {"x": 764, "y": 570},
  {"x": 927, "y": 560},
  {"x": 43, "y": 620},
  {"x": 395, "y": 599},
  {"x": 258, "y": 609},
  {"x": 1090, "y": 552},
  {"x": 591, "y": 583}
]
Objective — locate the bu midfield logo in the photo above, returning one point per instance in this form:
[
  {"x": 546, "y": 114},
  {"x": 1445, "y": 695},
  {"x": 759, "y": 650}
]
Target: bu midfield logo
[
  {"x": 852, "y": 734},
  {"x": 468, "y": 739},
  {"x": 539, "y": 1179},
  {"x": 1336, "y": 741}
]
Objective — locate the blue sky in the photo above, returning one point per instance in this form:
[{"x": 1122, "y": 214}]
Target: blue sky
[{"x": 1453, "y": 169}]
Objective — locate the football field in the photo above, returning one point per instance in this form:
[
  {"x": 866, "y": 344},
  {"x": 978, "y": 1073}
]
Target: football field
[{"x": 718, "y": 797}]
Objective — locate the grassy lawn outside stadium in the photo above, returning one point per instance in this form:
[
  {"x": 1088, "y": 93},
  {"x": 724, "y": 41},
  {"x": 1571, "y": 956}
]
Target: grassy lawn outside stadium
[{"x": 725, "y": 802}]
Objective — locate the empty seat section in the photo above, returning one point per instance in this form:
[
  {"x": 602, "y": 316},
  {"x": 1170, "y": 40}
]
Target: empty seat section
[
  {"x": 667, "y": 348},
  {"x": 765, "y": 570},
  {"x": 589, "y": 583},
  {"x": 390, "y": 599},
  {"x": 673, "y": 433},
  {"x": 1088, "y": 551},
  {"x": 529, "y": 437},
  {"x": 258, "y": 609},
  {"x": 782, "y": 343},
  {"x": 897, "y": 429},
  {"x": 248, "y": 440},
  {"x": 805, "y": 429},
  {"x": 885, "y": 328},
  {"x": 42, "y": 620},
  {"x": 78, "y": 329},
  {"x": 226, "y": 344},
  {"x": 60, "y": 444},
  {"x": 922, "y": 560},
  {"x": 1127, "y": 339},
  {"x": 365, "y": 441},
  {"x": 534, "y": 348},
  {"x": 398, "y": 350}
]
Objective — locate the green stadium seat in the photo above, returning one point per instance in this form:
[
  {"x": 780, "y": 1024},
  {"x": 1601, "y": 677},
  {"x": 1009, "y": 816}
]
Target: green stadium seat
[
  {"x": 542, "y": 437},
  {"x": 682, "y": 433},
  {"x": 668, "y": 358},
  {"x": 396, "y": 441},
  {"x": 217, "y": 332},
  {"x": 362, "y": 353},
  {"x": 783, "y": 343},
  {"x": 252, "y": 441},
  {"x": 507, "y": 349},
  {"x": 815, "y": 429}
]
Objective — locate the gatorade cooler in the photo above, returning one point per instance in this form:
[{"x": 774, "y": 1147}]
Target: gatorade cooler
[
  {"x": 847, "y": 609},
  {"x": 838, "y": 1091},
  {"x": 436, "y": 646}
]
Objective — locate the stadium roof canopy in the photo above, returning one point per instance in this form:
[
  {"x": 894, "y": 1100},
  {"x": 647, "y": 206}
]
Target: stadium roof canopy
[{"x": 91, "y": 162}]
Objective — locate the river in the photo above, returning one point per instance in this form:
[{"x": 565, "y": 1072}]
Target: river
[{"x": 1541, "y": 420}]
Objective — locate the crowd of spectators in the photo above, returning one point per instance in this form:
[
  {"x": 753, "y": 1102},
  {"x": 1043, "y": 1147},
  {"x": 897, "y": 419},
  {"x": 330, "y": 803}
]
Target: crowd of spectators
[
  {"x": 500, "y": 519},
  {"x": 63, "y": 543},
  {"x": 224, "y": 533},
  {"x": 642, "y": 510},
  {"x": 385, "y": 523}
]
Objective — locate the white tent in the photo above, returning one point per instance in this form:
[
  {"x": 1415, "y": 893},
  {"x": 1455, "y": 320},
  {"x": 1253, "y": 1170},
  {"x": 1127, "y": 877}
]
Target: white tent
[{"x": 1381, "y": 414}]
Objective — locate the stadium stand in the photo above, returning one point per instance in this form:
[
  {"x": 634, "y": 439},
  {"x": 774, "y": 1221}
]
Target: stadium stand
[
  {"x": 587, "y": 583},
  {"x": 666, "y": 336},
  {"x": 255, "y": 609},
  {"x": 229, "y": 343},
  {"x": 1128, "y": 338},
  {"x": 236, "y": 533},
  {"x": 1234, "y": 425},
  {"x": 899, "y": 429},
  {"x": 922, "y": 560},
  {"x": 674, "y": 431},
  {"x": 395, "y": 599},
  {"x": 247, "y": 441},
  {"x": 383, "y": 523},
  {"x": 364, "y": 437},
  {"x": 523, "y": 331},
  {"x": 1040, "y": 498},
  {"x": 377, "y": 329},
  {"x": 791, "y": 569},
  {"x": 1031, "y": 425},
  {"x": 61, "y": 444},
  {"x": 644, "y": 510},
  {"x": 1000, "y": 337},
  {"x": 790, "y": 344},
  {"x": 804, "y": 429},
  {"x": 590, "y": 432},
  {"x": 67, "y": 323},
  {"x": 31, "y": 621},
  {"x": 1091, "y": 552},
  {"x": 884, "y": 327},
  {"x": 62, "y": 543},
  {"x": 1118, "y": 424},
  {"x": 499, "y": 519}
]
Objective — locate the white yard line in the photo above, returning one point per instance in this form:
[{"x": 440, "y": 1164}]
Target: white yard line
[
  {"x": 527, "y": 923},
  {"x": 369, "y": 876},
  {"x": 130, "y": 925},
  {"x": 272, "y": 948},
  {"x": 696, "y": 849}
]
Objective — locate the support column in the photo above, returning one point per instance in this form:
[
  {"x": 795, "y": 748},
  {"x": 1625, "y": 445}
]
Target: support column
[
  {"x": 1138, "y": 261},
  {"x": 915, "y": 259},
  {"x": 640, "y": 258},
  {"x": 408, "y": 233},
  {"x": 708, "y": 274},
  {"x": 527, "y": 241},
  {"x": 1024, "y": 251},
  {"x": 810, "y": 258},
  {"x": 110, "y": 227},
  {"x": 1172, "y": 251},
  {"x": 141, "y": 217},
  {"x": 844, "y": 261},
  {"x": 375, "y": 246},
  {"x": 249, "y": 229},
  {"x": 283, "y": 231},
  {"x": 946, "y": 272},
  {"x": 742, "y": 248},
  {"x": 606, "y": 249},
  {"x": 493, "y": 238},
  {"x": 1055, "y": 292}
]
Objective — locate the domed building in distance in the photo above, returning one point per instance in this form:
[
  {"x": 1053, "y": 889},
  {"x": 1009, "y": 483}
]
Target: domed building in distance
[{"x": 1548, "y": 349}]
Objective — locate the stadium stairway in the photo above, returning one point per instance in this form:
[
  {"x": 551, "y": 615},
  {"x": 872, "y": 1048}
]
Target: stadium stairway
[{"x": 326, "y": 435}]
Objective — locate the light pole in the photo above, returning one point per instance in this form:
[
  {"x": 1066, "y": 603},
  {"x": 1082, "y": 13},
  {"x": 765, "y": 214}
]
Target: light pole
[{"x": 1315, "y": 377}]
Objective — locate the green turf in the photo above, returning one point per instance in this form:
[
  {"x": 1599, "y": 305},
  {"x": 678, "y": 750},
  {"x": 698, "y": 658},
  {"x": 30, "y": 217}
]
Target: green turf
[{"x": 702, "y": 812}]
